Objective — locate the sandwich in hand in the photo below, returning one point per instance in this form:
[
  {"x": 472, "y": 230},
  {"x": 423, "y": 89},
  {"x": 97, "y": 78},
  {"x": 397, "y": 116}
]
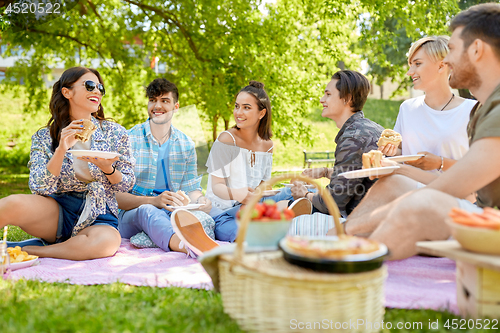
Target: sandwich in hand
[
  {"x": 86, "y": 133},
  {"x": 389, "y": 136},
  {"x": 185, "y": 199},
  {"x": 372, "y": 159}
]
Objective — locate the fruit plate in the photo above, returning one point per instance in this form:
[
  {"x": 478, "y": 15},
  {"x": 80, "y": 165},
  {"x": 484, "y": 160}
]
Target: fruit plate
[{"x": 353, "y": 263}]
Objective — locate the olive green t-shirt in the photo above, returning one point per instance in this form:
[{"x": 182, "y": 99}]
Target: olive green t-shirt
[{"x": 485, "y": 122}]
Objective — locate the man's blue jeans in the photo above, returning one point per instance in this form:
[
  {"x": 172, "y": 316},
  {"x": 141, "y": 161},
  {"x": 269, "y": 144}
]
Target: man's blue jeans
[{"x": 156, "y": 224}]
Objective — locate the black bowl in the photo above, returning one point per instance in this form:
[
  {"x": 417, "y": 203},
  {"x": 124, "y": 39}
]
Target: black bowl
[{"x": 354, "y": 263}]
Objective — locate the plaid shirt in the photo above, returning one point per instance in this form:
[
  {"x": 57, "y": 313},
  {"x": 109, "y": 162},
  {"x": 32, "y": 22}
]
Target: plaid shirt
[{"x": 182, "y": 166}]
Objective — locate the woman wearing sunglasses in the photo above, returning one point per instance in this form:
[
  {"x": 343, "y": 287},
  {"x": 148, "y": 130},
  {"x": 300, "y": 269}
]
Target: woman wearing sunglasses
[{"x": 73, "y": 209}]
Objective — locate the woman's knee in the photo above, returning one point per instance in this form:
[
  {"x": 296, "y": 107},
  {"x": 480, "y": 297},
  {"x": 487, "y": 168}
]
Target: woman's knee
[{"x": 103, "y": 242}]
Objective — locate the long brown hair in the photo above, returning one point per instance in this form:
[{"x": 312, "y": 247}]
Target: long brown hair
[
  {"x": 59, "y": 105},
  {"x": 256, "y": 89}
]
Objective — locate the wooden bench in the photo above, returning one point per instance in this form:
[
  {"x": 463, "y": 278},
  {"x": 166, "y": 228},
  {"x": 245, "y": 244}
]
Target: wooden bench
[{"x": 318, "y": 157}]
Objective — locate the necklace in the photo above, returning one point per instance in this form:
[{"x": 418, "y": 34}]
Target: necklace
[{"x": 452, "y": 96}]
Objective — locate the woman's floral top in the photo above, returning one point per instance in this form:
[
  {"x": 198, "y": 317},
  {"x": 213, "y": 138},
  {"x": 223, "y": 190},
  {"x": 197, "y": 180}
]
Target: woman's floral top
[{"x": 109, "y": 136}]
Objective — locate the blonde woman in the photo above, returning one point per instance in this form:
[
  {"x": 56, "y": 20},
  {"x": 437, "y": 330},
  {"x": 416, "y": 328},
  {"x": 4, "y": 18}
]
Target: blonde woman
[{"x": 434, "y": 124}]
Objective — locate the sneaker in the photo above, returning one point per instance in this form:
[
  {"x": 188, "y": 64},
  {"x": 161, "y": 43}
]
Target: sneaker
[
  {"x": 190, "y": 253},
  {"x": 28, "y": 242},
  {"x": 301, "y": 206},
  {"x": 191, "y": 233}
]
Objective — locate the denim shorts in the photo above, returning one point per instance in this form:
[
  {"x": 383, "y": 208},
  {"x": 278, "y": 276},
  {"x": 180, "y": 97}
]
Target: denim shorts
[{"x": 71, "y": 205}]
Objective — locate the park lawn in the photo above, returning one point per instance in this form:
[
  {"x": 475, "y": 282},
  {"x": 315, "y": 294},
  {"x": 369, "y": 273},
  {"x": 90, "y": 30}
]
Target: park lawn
[{"x": 33, "y": 306}]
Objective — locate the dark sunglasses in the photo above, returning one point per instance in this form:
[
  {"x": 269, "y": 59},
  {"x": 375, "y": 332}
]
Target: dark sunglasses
[{"x": 91, "y": 85}]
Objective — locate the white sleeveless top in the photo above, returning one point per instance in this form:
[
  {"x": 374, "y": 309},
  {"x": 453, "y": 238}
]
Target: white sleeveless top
[{"x": 239, "y": 166}]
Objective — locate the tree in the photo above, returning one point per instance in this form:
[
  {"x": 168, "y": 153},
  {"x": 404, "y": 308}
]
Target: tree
[
  {"x": 389, "y": 27},
  {"x": 210, "y": 49}
]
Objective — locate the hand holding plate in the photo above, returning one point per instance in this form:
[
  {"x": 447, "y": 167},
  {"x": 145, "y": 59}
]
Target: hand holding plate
[{"x": 427, "y": 162}]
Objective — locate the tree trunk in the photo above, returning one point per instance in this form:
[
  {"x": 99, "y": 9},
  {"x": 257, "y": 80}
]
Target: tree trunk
[
  {"x": 226, "y": 124},
  {"x": 214, "y": 127},
  {"x": 381, "y": 91},
  {"x": 465, "y": 93}
]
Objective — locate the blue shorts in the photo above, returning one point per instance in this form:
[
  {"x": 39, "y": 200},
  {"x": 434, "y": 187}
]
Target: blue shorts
[{"x": 71, "y": 205}]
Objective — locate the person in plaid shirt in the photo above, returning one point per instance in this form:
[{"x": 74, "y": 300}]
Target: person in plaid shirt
[{"x": 165, "y": 164}]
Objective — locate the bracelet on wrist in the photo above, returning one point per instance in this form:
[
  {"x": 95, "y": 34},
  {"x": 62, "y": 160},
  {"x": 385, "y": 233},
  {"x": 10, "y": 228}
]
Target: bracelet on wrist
[
  {"x": 442, "y": 164},
  {"x": 109, "y": 174}
]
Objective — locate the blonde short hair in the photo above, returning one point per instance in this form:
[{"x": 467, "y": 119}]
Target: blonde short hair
[{"x": 436, "y": 47}]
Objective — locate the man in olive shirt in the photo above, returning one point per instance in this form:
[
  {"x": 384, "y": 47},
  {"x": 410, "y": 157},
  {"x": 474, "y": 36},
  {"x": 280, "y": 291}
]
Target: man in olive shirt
[{"x": 474, "y": 59}]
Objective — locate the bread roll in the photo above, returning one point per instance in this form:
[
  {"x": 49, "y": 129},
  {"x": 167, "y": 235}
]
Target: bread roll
[
  {"x": 372, "y": 159},
  {"x": 389, "y": 136},
  {"x": 88, "y": 129},
  {"x": 186, "y": 200}
]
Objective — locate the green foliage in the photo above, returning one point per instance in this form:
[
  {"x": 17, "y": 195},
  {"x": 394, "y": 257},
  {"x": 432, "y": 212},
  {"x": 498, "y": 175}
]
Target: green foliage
[
  {"x": 389, "y": 27},
  {"x": 210, "y": 49}
]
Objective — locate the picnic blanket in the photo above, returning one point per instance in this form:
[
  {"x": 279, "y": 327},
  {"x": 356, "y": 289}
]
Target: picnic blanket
[{"x": 417, "y": 282}]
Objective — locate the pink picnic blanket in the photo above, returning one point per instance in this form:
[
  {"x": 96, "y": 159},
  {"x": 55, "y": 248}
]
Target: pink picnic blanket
[
  {"x": 138, "y": 267},
  {"x": 417, "y": 282}
]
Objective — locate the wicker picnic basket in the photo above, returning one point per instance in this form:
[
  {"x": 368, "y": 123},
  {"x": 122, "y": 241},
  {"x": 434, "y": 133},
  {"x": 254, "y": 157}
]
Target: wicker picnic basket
[{"x": 264, "y": 293}]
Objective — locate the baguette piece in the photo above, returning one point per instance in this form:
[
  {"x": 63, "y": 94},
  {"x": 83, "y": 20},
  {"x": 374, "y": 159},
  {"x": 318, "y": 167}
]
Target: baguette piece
[
  {"x": 88, "y": 129},
  {"x": 185, "y": 198},
  {"x": 389, "y": 136},
  {"x": 372, "y": 159}
]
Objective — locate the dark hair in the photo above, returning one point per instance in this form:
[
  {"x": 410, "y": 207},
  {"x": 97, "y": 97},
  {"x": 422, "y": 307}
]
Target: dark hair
[
  {"x": 160, "y": 87},
  {"x": 354, "y": 88},
  {"x": 59, "y": 105},
  {"x": 480, "y": 22},
  {"x": 256, "y": 89}
]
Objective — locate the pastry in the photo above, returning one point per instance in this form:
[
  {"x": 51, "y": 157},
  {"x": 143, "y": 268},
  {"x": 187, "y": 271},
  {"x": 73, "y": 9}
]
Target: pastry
[
  {"x": 331, "y": 248},
  {"x": 88, "y": 129},
  {"x": 372, "y": 159},
  {"x": 389, "y": 136}
]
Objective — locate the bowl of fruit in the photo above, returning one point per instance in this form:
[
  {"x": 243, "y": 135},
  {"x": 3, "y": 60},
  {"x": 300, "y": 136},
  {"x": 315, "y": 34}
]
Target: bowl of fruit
[
  {"x": 268, "y": 224},
  {"x": 476, "y": 232}
]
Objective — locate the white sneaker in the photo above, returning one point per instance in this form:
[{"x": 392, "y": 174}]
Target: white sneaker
[{"x": 189, "y": 254}]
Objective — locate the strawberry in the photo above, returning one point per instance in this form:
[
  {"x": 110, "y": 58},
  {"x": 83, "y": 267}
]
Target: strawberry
[
  {"x": 277, "y": 215},
  {"x": 289, "y": 214}
]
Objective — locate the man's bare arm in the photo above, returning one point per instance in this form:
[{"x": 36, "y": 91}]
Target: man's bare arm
[
  {"x": 479, "y": 167},
  {"x": 128, "y": 201}
]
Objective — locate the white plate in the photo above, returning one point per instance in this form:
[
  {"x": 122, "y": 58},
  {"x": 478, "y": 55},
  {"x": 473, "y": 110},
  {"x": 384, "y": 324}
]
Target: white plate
[
  {"x": 23, "y": 264},
  {"x": 190, "y": 206},
  {"x": 369, "y": 172},
  {"x": 308, "y": 186},
  {"x": 405, "y": 158},
  {"x": 94, "y": 153},
  {"x": 269, "y": 193}
]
